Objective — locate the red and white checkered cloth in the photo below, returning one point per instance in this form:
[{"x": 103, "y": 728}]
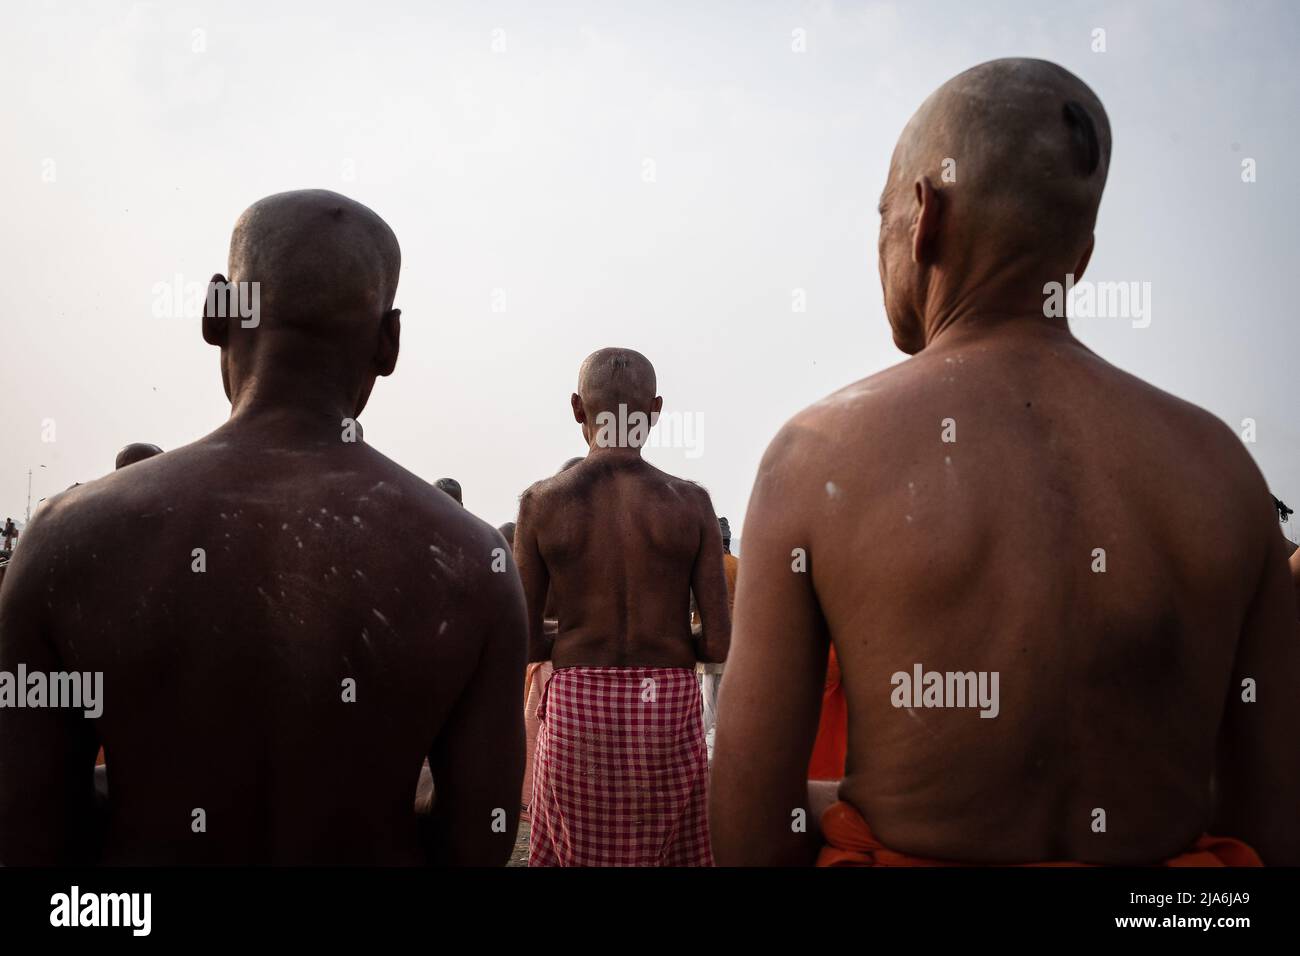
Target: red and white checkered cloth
[{"x": 621, "y": 772}]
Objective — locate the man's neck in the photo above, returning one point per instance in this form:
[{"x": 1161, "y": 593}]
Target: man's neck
[
  {"x": 613, "y": 452},
  {"x": 980, "y": 296},
  {"x": 304, "y": 407},
  {"x": 961, "y": 326}
]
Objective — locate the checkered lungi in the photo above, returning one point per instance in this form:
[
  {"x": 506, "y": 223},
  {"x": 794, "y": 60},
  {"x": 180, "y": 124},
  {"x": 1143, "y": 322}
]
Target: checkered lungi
[{"x": 621, "y": 775}]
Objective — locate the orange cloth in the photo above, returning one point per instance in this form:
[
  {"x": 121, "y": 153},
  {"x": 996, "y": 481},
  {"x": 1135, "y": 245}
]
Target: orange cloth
[
  {"x": 731, "y": 567},
  {"x": 850, "y": 842},
  {"x": 832, "y": 745}
]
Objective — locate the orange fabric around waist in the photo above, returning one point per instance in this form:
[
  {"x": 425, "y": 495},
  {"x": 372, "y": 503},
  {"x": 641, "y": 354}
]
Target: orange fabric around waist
[
  {"x": 850, "y": 842},
  {"x": 832, "y": 745}
]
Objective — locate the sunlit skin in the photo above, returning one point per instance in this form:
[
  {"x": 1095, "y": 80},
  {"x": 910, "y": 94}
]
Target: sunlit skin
[
  {"x": 1119, "y": 690},
  {"x": 325, "y": 565}
]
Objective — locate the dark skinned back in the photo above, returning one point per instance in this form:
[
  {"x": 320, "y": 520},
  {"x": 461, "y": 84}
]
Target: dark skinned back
[
  {"x": 622, "y": 545},
  {"x": 223, "y": 689}
]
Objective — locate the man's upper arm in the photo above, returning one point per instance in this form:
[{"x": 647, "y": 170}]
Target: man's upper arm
[
  {"x": 533, "y": 573},
  {"x": 1258, "y": 775},
  {"x": 709, "y": 587},
  {"x": 478, "y": 760},
  {"x": 772, "y": 688},
  {"x": 47, "y": 755}
]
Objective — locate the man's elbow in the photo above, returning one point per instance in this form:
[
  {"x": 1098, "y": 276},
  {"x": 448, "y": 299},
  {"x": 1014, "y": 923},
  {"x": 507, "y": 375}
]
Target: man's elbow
[
  {"x": 712, "y": 644},
  {"x": 712, "y": 656}
]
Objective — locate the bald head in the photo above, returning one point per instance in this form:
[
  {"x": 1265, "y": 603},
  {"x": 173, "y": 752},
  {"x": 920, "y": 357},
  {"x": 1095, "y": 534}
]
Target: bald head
[
  {"x": 613, "y": 377},
  {"x": 1013, "y": 155},
  {"x": 134, "y": 452},
  {"x": 616, "y": 386},
  {"x": 324, "y": 269},
  {"x": 1025, "y": 144},
  {"x": 320, "y": 257}
]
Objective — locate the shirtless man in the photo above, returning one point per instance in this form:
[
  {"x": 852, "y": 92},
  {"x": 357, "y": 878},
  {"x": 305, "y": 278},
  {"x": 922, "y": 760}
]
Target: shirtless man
[
  {"x": 621, "y": 545},
  {"x": 270, "y": 697},
  {"x": 1038, "y": 465}
]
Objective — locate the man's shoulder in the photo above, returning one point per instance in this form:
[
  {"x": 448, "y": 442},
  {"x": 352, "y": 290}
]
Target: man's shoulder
[
  {"x": 539, "y": 499},
  {"x": 456, "y": 537},
  {"x": 53, "y": 543},
  {"x": 81, "y": 511},
  {"x": 859, "y": 412},
  {"x": 692, "y": 496},
  {"x": 1196, "y": 431}
]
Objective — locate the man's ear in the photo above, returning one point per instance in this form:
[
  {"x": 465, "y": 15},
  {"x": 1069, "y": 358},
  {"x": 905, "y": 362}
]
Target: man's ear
[
  {"x": 216, "y": 328},
  {"x": 655, "y": 408},
  {"x": 579, "y": 414},
  {"x": 1085, "y": 258},
  {"x": 390, "y": 336},
  {"x": 925, "y": 230}
]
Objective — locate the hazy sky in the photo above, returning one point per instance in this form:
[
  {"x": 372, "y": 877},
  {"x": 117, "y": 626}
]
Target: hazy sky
[{"x": 510, "y": 149}]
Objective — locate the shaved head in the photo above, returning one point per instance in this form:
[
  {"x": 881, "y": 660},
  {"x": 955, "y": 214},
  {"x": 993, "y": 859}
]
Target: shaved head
[
  {"x": 613, "y": 377},
  {"x": 1012, "y": 157},
  {"x": 136, "y": 451},
  {"x": 616, "y": 386},
  {"x": 1029, "y": 145},
  {"x": 325, "y": 271},
  {"x": 320, "y": 257}
]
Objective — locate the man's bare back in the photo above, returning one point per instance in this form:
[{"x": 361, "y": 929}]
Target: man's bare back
[
  {"x": 287, "y": 623},
  {"x": 616, "y": 548},
  {"x": 984, "y": 554},
  {"x": 617, "y": 545},
  {"x": 1008, "y": 506},
  {"x": 623, "y": 543}
]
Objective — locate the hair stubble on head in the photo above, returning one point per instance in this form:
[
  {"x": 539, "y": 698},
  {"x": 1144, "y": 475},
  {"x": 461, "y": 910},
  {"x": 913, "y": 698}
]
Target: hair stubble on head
[
  {"x": 1031, "y": 144},
  {"x": 614, "y": 378},
  {"x": 324, "y": 263}
]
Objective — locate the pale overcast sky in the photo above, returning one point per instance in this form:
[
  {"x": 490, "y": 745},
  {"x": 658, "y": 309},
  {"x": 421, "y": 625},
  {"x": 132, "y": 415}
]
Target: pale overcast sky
[{"x": 510, "y": 149}]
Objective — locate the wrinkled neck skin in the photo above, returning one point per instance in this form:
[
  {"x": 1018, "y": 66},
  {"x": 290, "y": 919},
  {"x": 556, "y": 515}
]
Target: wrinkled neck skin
[{"x": 992, "y": 299}]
